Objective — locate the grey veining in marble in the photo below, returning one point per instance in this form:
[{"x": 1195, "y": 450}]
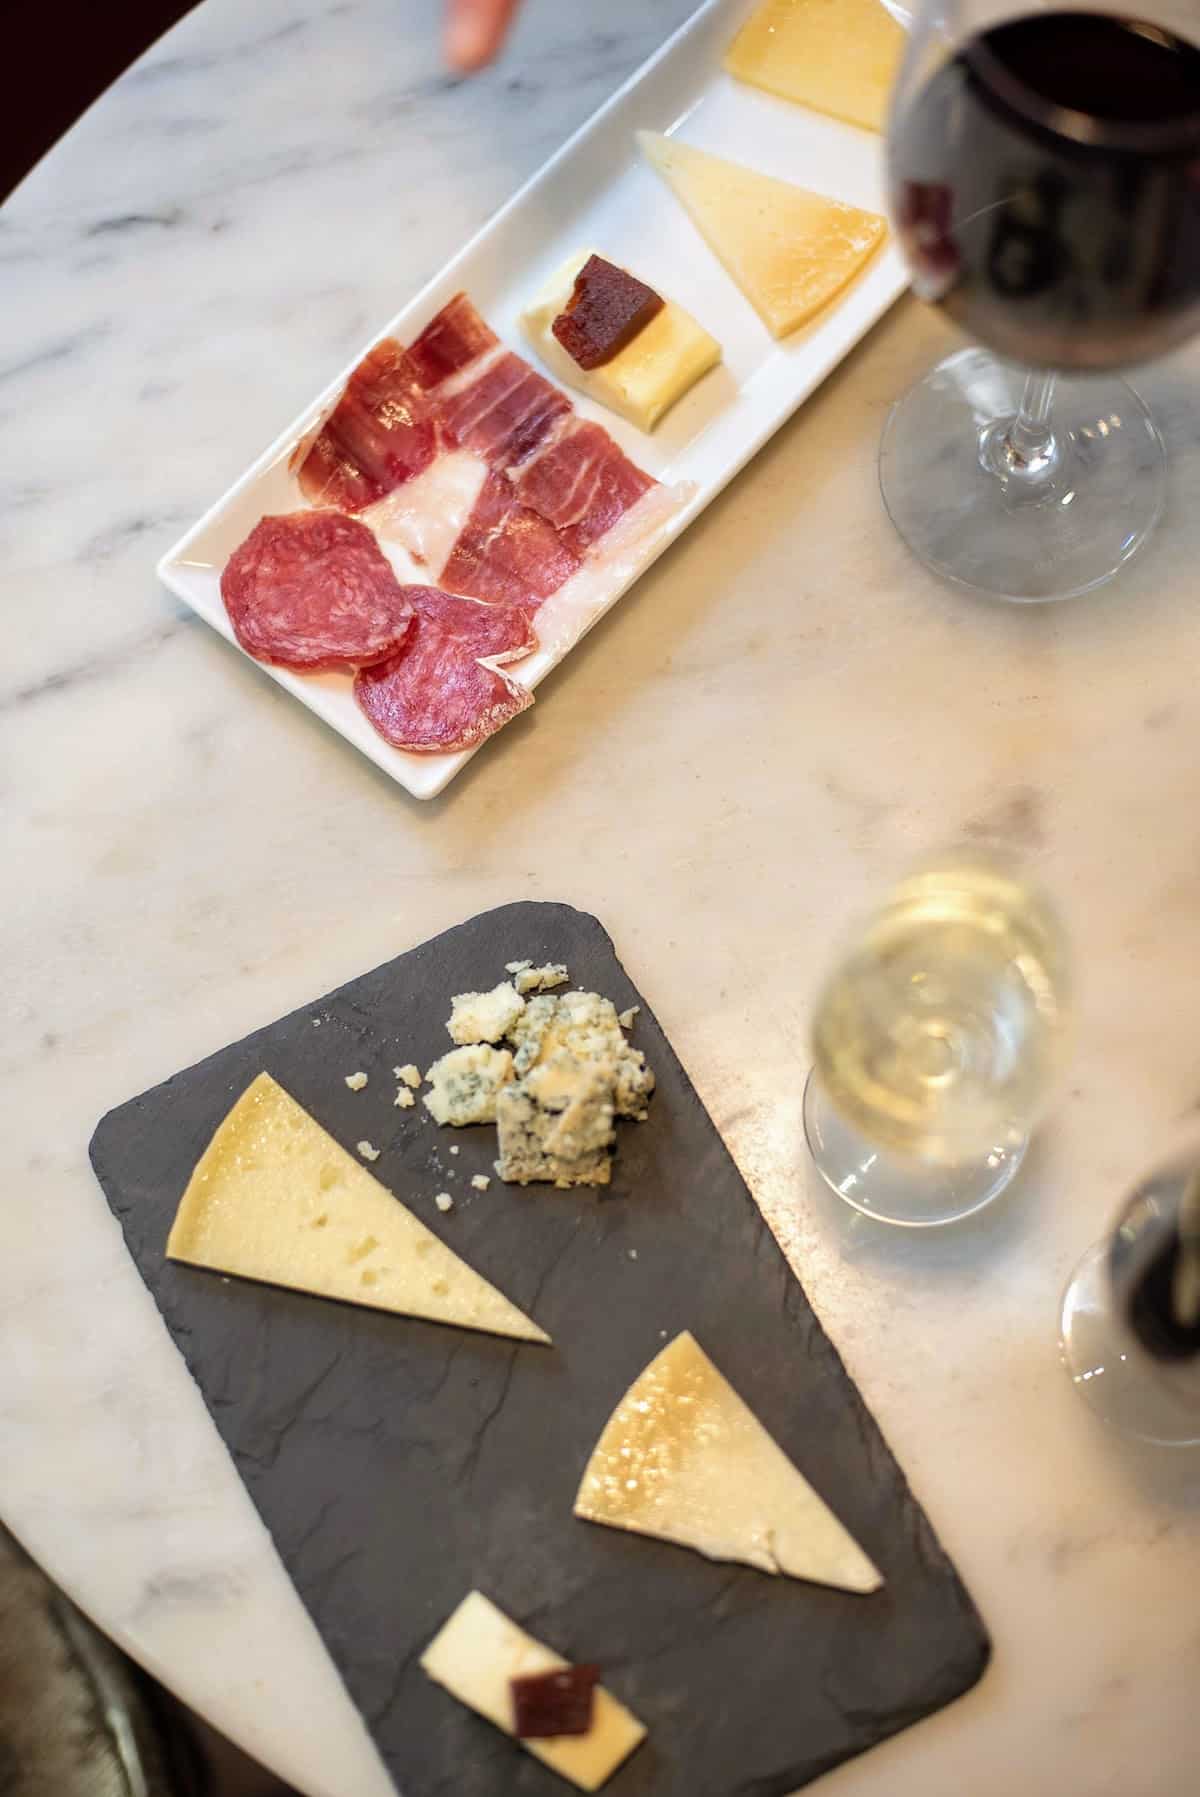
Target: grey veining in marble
[{"x": 780, "y": 715}]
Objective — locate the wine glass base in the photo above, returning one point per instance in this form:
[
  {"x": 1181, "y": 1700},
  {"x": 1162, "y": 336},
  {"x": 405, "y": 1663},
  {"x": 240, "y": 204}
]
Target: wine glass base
[
  {"x": 912, "y": 1194},
  {"x": 1110, "y": 1370},
  {"x": 1029, "y": 539}
]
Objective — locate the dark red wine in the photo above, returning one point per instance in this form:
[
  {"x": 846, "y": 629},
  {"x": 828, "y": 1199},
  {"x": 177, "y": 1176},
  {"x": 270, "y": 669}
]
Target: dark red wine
[{"x": 1046, "y": 187}]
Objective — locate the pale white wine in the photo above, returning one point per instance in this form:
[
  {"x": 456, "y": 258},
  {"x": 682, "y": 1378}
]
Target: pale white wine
[{"x": 939, "y": 1036}]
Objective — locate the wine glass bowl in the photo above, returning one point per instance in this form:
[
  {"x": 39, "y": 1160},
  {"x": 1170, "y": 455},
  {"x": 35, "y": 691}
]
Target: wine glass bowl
[{"x": 937, "y": 1040}]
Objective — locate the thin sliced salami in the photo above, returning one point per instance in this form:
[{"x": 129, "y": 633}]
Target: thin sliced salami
[
  {"x": 437, "y": 695},
  {"x": 314, "y": 591}
]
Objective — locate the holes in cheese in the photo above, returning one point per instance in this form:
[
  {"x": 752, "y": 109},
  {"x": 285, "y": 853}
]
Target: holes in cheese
[
  {"x": 477, "y": 1654},
  {"x": 837, "y": 56},
  {"x": 684, "y": 1458},
  {"x": 275, "y": 1198},
  {"x": 789, "y": 250}
]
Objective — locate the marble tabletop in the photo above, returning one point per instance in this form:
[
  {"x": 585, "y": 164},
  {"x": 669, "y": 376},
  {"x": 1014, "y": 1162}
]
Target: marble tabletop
[{"x": 783, "y": 712}]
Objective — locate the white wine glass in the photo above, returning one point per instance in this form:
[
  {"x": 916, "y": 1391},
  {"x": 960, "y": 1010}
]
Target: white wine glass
[
  {"x": 1129, "y": 1327},
  {"x": 1044, "y": 181},
  {"x": 937, "y": 1040}
]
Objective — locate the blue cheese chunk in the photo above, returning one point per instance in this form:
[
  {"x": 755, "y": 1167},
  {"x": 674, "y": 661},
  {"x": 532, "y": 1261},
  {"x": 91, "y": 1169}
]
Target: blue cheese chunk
[
  {"x": 485, "y": 1016},
  {"x": 540, "y": 979},
  {"x": 586, "y": 1026},
  {"x": 464, "y": 1084},
  {"x": 556, "y": 1125}
]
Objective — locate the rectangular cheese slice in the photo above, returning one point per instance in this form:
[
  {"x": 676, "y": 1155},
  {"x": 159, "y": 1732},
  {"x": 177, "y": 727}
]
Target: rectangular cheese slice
[
  {"x": 790, "y": 251},
  {"x": 837, "y": 56},
  {"x": 643, "y": 380},
  {"x": 274, "y": 1197},
  {"x": 475, "y": 1654},
  {"x": 684, "y": 1458}
]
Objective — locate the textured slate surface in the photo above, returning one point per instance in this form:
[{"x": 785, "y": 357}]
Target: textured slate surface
[{"x": 397, "y": 1463}]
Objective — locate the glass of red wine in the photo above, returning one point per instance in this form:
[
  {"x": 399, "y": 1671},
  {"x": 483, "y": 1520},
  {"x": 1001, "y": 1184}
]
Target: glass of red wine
[{"x": 1044, "y": 175}]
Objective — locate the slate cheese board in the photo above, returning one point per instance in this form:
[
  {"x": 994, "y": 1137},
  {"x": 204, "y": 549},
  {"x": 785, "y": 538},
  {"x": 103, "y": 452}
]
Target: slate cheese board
[{"x": 398, "y": 1464}]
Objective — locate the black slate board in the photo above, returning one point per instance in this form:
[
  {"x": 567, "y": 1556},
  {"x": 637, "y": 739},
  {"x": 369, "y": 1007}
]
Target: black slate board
[{"x": 399, "y": 1463}]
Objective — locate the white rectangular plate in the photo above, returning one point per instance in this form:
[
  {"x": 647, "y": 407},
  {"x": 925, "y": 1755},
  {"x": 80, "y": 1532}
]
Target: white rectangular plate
[{"x": 595, "y": 193}]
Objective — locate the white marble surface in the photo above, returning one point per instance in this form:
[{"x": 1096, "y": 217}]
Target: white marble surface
[{"x": 781, "y": 714}]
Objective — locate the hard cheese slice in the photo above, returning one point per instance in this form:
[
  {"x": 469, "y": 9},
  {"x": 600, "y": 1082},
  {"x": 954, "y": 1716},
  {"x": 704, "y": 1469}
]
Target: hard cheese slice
[
  {"x": 479, "y": 1650},
  {"x": 838, "y": 56},
  {"x": 683, "y": 1458},
  {"x": 790, "y": 251},
  {"x": 274, "y": 1197}
]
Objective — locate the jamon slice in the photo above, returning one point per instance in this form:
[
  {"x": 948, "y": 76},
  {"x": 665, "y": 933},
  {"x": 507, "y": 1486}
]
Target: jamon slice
[
  {"x": 313, "y": 591},
  {"x": 381, "y": 432},
  {"x": 505, "y": 413},
  {"x": 444, "y": 691},
  {"x": 507, "y": 552},
  {"x": 581, "y": 484},
  {"x": 450, "y": 341}
]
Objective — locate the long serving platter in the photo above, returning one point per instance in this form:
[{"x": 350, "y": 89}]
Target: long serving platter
[{"x": 597, "y": 193}]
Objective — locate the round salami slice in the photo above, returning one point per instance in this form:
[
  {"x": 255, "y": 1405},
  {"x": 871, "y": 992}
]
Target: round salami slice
[
  {"x": 314, "y": 591},
  {"x": 445, "y": 690}
]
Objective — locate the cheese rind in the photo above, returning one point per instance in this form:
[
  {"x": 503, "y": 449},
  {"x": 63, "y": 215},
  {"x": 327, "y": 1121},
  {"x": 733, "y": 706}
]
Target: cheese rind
[
  {"x": 789, "y": 250},
  {"x": 275, "y": 1198},
  {"x": 642, "y": 381},
  {"x": 475, "y": 1654},
  {"x": 837, "y": 56},
  {"x": 685, "y": 1459}
]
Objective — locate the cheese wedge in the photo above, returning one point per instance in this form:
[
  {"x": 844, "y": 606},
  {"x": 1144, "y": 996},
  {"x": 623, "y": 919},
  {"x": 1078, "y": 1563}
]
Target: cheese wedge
[
  {"x": 475, "y": 1654},
  {"x": 643, "y": 380},
  {"x": 274, "y": 1197},
  {"x": 790, "y": 251},
  {"x": 837, "y": 56},
  {"x": 682, "y": 1457}
]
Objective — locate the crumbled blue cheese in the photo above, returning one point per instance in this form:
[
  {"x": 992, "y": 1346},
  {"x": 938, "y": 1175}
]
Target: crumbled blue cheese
[
  {"x": 480, "y": 1181},
  {"x": 465, "y": 1082},
  {"x": 557, "y": 1124},
  {"x": 356, "y": 1081},
  {"x": 485, "y": 1016},
  {"x": 444, "y": 1201},
  {"x": 625, "y": 1018},
  {"x": 404, "y": 1098},
  {"x": 409, "y": 1074},
  {"x": 539, "y": 979},
  {"x": 368, "y": 1153},
  {"x": 587, "y": 1026},
  {"x": 454, "y": 1148},
  {"x": 517, "y": 966}
]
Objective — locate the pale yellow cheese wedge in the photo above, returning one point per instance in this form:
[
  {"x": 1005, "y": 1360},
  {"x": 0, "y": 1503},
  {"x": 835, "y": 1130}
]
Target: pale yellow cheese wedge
[
  {"x": 275, "y": 1198},
  {"x": 684, "y": 1458},
  {"x": 790, "y": 251},
  {"x": 643, "y": 380},
  {"x": 475, "y": 1654},
  {"x": 837, "y": 56}
]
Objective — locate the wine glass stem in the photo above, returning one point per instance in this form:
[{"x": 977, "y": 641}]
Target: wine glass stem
[{"x": 1023, "y": 449}]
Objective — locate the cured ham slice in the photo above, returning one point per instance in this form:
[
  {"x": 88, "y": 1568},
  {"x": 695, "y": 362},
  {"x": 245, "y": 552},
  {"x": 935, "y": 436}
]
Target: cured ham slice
[
  {"x": 314, "y": 591},
  {"x": 456, "y": 337},
  {"x": 445, "y": 691},
  {"x": 581, "y": 484},
  {"x": 381, "y": 433},
  {"x": 504, "y": 413},
  {"x": 507, "y": 553}
]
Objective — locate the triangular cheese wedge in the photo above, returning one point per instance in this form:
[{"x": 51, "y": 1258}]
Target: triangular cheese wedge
[
  {"x": 275, "y": 1198},
  {"x": 838, "y": 56},
  {"x": 790, "y": 251},
  {"x": 682, "y": 1457}
]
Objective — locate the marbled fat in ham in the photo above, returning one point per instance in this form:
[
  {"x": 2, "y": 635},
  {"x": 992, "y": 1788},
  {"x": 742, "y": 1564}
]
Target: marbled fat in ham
[
  {"x": 451, "y": 341},
  {"x": 507, "y": 552},
  {"x": 381, "y": 432},
  {"x": 437, "y": 695},
  {"x": 505, "y": 413},
  {"x": 581, "y": 484}
]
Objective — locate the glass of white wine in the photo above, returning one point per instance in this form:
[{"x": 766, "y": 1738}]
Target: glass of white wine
[{"x": 937, "y": 1041}]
